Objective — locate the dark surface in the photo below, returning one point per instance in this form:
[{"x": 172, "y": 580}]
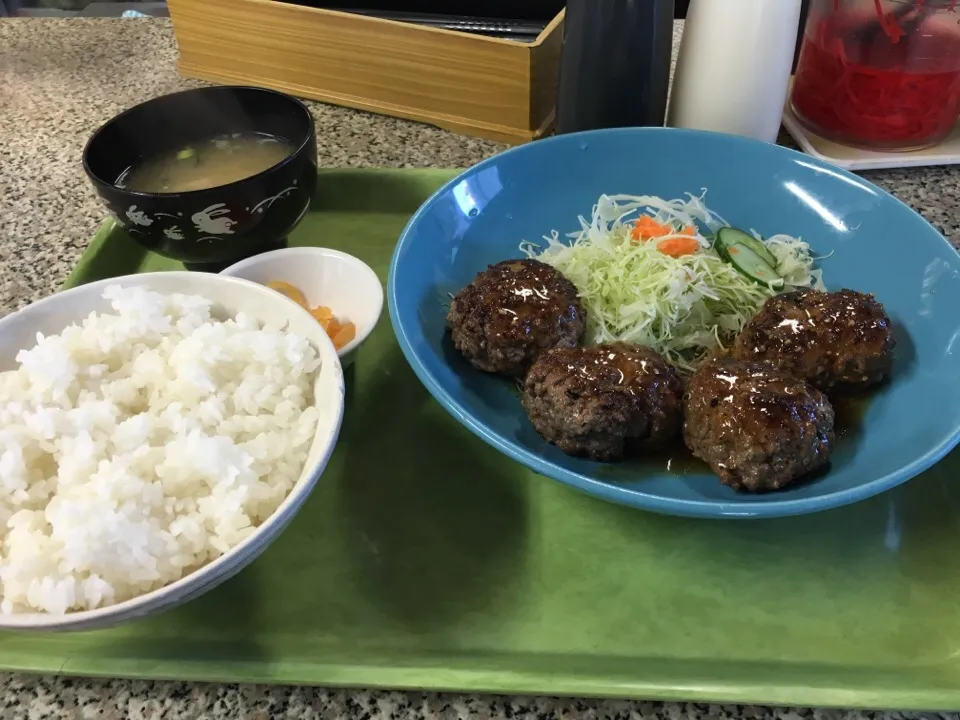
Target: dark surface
[
  {"x": 840, "y": 339},
  {"x": 757, "y": 427},
  {"x": 615, "y": 64},
  {"x": 603, "y": 401},
  {"x": 518, "y": 21},
  {"x": 223, "y": 224},
  {"x": 505, "y": 9},
  {"x": 542, "y": 10},
  {"x": 804, "y": 11},
  {"x": 513, "y": 311}
]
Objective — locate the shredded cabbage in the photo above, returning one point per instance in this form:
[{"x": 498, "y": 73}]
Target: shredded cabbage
[{"x": 683, "y": 307}]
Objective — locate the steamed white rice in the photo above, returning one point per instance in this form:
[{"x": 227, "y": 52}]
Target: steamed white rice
[{"x": 143, "y": 443}]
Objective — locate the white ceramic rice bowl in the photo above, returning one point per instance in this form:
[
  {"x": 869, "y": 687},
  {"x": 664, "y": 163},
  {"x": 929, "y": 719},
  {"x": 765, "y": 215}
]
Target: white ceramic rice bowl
[{"x": 52, "y": 314}]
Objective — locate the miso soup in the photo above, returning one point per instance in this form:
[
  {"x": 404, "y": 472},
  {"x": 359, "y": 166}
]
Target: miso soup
[{"x": 218, "y": 161}]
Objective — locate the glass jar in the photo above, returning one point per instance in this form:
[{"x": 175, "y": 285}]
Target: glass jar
[{"x": 880, "y": 74}]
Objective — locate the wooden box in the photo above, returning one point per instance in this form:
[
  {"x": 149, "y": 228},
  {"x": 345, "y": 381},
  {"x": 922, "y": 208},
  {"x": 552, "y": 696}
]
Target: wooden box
[{"x": 497, "y": 89}]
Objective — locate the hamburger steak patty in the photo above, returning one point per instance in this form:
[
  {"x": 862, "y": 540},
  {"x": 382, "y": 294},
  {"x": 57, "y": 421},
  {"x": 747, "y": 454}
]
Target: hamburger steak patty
[
  {"x": 758, "y": 427},
  {"x": 603, "y": 401},
  {"x": 837, "y": 339},
  {"x": 512, "y": 312}
]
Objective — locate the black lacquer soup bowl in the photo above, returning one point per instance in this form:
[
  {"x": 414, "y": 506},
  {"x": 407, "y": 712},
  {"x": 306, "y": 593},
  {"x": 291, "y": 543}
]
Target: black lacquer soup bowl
[{"x": 211, "y": 228}]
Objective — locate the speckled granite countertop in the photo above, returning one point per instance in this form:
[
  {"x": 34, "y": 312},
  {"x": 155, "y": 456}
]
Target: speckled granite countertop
[{"x": 59, "y": 79}]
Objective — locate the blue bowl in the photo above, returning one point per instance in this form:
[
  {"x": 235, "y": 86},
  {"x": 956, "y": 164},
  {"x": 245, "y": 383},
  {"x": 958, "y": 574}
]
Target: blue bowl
[{"x": 876, "y": 244}]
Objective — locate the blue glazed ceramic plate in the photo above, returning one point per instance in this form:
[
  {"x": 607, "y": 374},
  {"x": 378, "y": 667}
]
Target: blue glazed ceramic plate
[{"x": 876, "y": 244}]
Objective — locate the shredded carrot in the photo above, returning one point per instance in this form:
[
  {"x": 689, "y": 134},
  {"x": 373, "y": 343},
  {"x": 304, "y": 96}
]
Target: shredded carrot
[
  {"x": 678, "y": 246},
  {"x": 646, "y": 228},
  {"x": 339, "y": 333}
]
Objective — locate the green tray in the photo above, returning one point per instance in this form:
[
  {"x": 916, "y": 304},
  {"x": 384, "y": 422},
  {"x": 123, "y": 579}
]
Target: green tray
[{"x": 425, "y": 559}]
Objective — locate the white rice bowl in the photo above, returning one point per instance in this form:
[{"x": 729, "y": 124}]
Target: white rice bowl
[{"x": 152, "y": 450}]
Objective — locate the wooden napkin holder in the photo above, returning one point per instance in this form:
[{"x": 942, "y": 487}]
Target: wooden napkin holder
[{"x": 497, "y": 89}]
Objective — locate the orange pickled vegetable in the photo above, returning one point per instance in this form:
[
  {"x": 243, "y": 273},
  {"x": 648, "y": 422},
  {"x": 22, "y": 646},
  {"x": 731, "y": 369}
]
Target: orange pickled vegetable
[
  {"x": 339, "y": 333},
  {"x": 346, "y": 333},
  {"x": 291, "y": 291},
  {"x": 322, "y": 314}
]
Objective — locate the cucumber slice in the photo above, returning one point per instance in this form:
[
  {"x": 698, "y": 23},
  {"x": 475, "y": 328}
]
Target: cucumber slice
[
  {"x": 739, "y": 237},
  {"x": 747, "y": 254}
]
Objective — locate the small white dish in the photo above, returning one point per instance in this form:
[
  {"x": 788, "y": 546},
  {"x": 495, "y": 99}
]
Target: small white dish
[
  {"x": 52, "y": 314},
  {"x": 334, "y": 279}
]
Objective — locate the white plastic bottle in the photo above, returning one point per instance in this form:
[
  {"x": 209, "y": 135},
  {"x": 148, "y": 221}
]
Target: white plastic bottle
[{"x": 734, "y": 66}]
